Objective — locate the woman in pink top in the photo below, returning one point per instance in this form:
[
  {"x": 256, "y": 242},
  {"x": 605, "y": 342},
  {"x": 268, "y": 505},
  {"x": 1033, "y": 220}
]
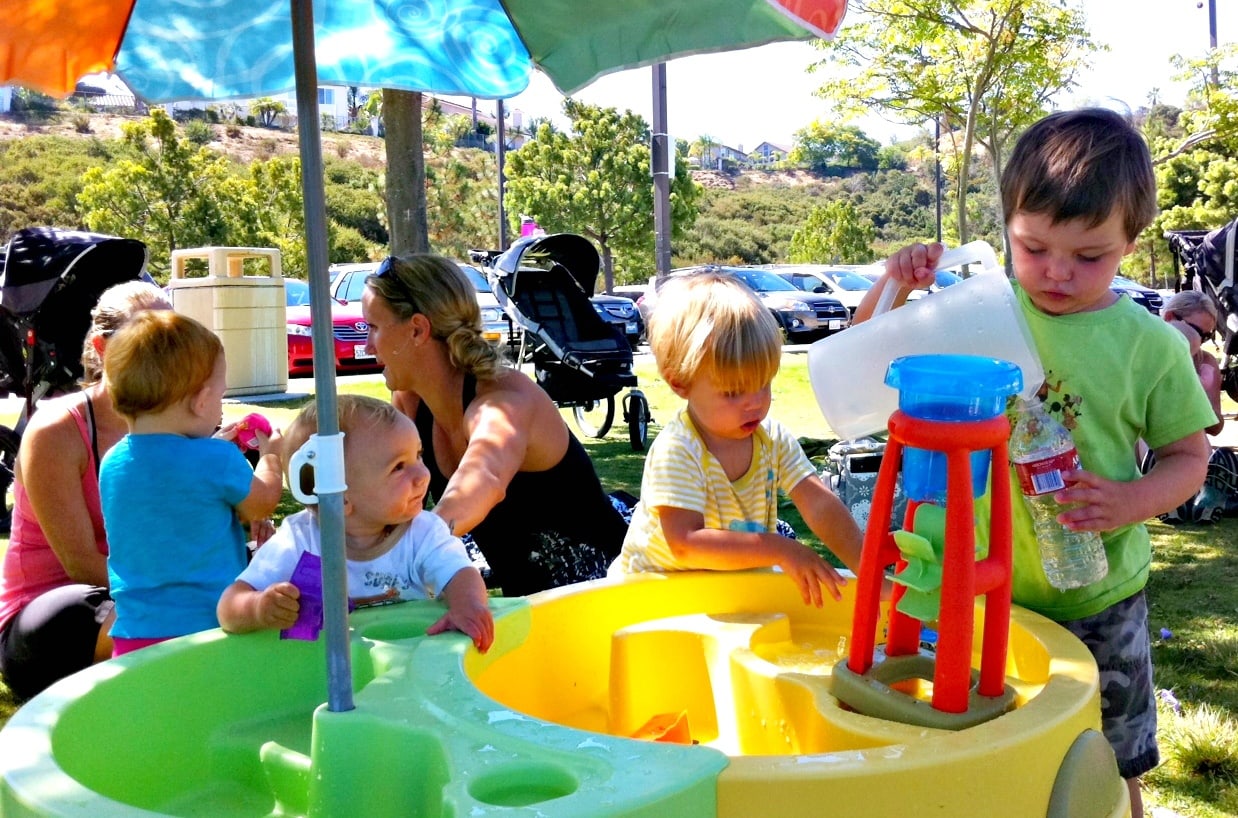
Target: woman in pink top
[{"x": 55, "y": 612}]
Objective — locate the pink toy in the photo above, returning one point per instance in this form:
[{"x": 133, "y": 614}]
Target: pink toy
[{"x": 246, "y": 428}]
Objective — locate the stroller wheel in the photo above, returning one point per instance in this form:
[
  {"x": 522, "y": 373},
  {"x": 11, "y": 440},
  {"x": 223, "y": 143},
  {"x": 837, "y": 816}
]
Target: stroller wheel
[
  {"x": 636, "y": 413},
  {"x": 9, "y": 441},
  {"x": 594, "y": 417}
]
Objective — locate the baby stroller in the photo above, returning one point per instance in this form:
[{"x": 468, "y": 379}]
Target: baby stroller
[
  {"x": 543, "y": 284},
  {"x": 50, "y": 280},
  {"x": 1209, "y": 261}
]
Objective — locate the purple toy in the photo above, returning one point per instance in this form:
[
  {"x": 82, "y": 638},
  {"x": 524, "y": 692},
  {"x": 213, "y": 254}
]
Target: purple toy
[{"x": 307, "y": 576}]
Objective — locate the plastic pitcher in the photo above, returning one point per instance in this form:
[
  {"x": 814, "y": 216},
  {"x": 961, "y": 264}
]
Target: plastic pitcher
[
  {"x": 952, "y": 388},
  {"x": 977, "y": 316}
]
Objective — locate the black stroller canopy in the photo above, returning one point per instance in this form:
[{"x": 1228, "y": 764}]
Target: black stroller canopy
[
  {"x": 570, "y": 250},
  {"x": 39, "y": 257}
]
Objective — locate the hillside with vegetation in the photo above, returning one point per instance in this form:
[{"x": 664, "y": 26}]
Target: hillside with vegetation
[{"x": 208, "y": 182}]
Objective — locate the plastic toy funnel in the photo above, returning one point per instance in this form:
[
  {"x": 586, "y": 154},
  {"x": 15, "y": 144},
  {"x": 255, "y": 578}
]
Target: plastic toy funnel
[
  {"x": 949, "y": 388},
  {"x": 977, "y": 316}
]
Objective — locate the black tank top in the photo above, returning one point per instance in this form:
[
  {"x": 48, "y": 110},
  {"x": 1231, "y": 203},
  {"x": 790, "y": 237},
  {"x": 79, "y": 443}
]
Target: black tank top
[{"x": 565, "y": 501}]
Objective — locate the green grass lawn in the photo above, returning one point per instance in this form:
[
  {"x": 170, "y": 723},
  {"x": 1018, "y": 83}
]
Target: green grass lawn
[{"x": 1193, "y": 596}]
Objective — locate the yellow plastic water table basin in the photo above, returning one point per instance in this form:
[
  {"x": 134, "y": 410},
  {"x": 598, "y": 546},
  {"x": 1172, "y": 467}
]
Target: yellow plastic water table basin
[{"x": 222, "y": 726}]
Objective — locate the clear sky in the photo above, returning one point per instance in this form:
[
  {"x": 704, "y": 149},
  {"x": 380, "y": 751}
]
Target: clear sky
[{"x": 764, "y": 94}]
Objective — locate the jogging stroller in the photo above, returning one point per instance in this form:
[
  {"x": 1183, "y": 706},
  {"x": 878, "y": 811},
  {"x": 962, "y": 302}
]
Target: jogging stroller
[
  {"x": 50, "y": 280},
  {"x": 1209, "y": 262},
  {"x": 543, "y": 284}
]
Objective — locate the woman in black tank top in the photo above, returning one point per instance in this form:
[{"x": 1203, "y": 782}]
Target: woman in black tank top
[{"x": 504, "y": 467}]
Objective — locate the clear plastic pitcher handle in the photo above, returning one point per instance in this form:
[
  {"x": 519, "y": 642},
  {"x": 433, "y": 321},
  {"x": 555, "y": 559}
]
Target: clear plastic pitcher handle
[
  {"x": 324, "y": 455},
  {"x": 979, "y": 251}
]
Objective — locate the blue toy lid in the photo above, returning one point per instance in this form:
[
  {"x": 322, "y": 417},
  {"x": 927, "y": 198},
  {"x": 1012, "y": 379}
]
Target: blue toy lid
[{"x": 970, "y": 375}]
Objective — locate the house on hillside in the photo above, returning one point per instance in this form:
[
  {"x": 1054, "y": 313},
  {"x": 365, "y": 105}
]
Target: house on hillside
[
  {"x": 767, "y": 153},
  {"x": 719, "y": 156}
]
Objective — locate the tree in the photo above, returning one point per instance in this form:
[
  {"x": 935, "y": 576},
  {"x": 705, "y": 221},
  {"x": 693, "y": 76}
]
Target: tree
[
  {"x": 166, "y": 191},
  {"x": 833, "y": 234},
  {"x": 833, "y": 149},
  {"x": 595, "y": 181},
  {"x": 406, "y": 173},
  {"x": 266, "y": 110},
  {"x": 985, "y": 69}
]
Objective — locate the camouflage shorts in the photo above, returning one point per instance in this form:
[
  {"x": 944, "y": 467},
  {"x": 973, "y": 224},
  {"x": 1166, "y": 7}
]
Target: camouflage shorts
[{"x": 1118, "y": 639}]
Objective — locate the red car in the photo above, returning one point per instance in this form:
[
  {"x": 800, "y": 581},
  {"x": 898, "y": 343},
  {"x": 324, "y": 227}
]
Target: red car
[{"x": 348, "y": 329}]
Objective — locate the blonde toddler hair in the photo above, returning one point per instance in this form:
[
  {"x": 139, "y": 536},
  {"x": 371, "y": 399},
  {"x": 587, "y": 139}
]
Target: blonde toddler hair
[{"x": 711, "y": 324}]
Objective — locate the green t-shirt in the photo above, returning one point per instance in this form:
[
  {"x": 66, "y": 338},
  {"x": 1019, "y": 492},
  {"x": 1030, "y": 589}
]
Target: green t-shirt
[{"x": 1112, "y": 376}]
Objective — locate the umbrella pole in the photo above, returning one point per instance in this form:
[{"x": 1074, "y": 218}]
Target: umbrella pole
[{"x": 330, "y": 503}]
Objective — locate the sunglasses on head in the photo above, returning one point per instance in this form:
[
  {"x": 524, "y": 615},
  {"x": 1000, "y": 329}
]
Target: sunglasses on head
[
  {"x": 386, "y": 271},
  {"x": 1203, "y": 336}
]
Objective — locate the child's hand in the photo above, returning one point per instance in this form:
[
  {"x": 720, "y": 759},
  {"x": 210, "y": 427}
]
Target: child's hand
[
  {"x": 912, "y": 267},
  {"x": 469, "y": 618},
  {"x": 278, "y": 605},
  {"x": 261, "y": 530},
  {"x": 269, "y": 444},
  {"x": 1093, "y": 502},
  {"x": 810, "y": 572}
]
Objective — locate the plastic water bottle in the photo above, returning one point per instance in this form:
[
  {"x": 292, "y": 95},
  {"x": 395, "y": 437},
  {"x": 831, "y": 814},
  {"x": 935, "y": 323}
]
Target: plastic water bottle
[{"x": 1041, "y": 449}]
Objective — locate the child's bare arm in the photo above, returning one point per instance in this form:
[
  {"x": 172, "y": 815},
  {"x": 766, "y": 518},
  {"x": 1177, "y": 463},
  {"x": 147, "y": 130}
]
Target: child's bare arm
[
  {"x": 829, "y": 519},
  {"x": 468, "y": 609},
  {"x": 911, "y": 268},
  {"x": 715, "y": 549},
  {"x": 1107, "y": 504},
  {"x": 267, "y": 486},
  {"x": 243, "y": 609}
]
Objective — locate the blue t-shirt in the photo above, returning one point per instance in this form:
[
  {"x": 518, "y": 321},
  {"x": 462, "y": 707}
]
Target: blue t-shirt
[{"x": 176, "y": 542}]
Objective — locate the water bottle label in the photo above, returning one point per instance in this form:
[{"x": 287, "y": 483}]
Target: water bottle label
[{"x": 1045, "y": 476}]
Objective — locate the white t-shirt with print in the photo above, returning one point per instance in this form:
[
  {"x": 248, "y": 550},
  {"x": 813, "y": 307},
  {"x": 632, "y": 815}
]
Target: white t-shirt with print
[{"x": 423, "y": 559}]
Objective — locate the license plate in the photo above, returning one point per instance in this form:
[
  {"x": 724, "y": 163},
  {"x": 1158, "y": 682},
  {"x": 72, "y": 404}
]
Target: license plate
[
  {"x": 836, "y": 323},
  {"x": 359, "y": 353},
  {"x": 631, "y": 330}
]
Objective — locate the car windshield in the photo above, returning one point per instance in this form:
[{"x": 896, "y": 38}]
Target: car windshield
[
  {"x": 296, "y": 292},
  {"x": 850, "y": 281},
  {"x": 476, "y": 277},
  {"x": 1123, "y": 281},
  {"x": 763, "y": 281}
]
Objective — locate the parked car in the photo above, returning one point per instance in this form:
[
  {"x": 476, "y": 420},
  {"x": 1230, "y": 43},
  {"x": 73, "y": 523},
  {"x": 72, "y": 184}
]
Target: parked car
[
  {"x": 348, "y": 328},
  {"x": 637, "y": 293},
  {"x": 1145, "y": 297},
  {"x": 803, "y": 316},
  {"x": 846, "y": 285},
  {"x": 622, "y": 313}
]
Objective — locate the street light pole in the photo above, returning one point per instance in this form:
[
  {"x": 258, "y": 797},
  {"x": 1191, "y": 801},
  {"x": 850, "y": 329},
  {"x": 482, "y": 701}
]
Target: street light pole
[
  {"x": 1212, "y": 40},
  {"x": 660, "y": 165}
]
